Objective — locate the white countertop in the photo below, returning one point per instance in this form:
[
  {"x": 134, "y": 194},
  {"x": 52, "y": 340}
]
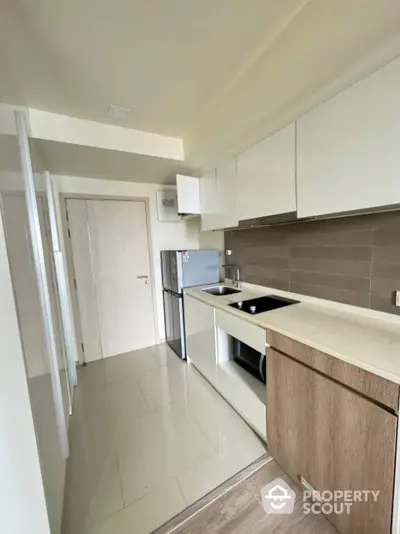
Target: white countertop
[{"x": 369, "y": 342}]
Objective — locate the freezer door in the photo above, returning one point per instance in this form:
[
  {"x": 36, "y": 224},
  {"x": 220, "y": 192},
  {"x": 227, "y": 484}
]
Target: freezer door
[
  {"x": 176, "y": 272},
  {"x": 165, "y": 256},
  {"x": 171, "y": 267},
  {"x": 200, "y": 267},
  {"x": 174, "y": 323}
]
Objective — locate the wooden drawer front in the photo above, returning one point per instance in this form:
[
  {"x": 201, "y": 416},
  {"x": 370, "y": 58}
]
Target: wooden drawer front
[
  {"x": 332, "y": 437},
  {"x": 366, "y": 383},
  {"x": 252, "y": 335}
]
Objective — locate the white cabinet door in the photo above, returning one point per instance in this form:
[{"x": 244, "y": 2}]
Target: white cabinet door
[
  {"x": 227, "y": 194},
  {"x": 209, "y": 201},
  {"x": 267, "y": 176},
  {"x": 349, "y": 148},
  {"x": 200, "y": 337},
  {"x": 188, "y": 191}
]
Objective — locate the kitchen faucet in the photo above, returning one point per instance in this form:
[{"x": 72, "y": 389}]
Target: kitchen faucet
[{"x": 236, "y": 276}]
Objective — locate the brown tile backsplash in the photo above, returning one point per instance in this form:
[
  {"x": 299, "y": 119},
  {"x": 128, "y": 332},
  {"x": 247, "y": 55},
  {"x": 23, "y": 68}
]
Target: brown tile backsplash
[{"x": 354, "y": 260}]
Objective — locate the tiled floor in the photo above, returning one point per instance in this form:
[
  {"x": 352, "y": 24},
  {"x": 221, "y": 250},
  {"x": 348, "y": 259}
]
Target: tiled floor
[{"x": 149, "y": 436}]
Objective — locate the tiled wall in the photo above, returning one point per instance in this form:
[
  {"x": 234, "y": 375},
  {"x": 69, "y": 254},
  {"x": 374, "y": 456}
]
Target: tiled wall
[{"x": 355, "y": 260}]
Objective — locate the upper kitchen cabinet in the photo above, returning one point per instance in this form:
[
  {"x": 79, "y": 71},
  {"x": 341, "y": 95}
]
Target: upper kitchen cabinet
[
  {"x": 188, "y": 193},
  {"x": 227, "y": 194},
  {"x": 267, "y": 176},
  {"x": 348, "y": 149},
  {"x": 209, "y": 201}
]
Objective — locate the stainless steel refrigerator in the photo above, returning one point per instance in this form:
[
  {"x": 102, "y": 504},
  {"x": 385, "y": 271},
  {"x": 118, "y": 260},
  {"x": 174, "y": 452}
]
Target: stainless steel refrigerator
[{"x": 181, "y": 269}]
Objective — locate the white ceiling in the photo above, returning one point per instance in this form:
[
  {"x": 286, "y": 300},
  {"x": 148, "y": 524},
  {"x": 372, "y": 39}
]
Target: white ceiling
[
  {"x": 219, "y": 73},
  {"x": 163, "y": 59},
  {"x": 329, "y": 45}
]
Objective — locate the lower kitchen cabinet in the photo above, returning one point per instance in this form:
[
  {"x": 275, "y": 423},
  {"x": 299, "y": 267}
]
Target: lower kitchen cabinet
[
  {"x": 331, "y": 437},
  {"x": 200, "y": 336}
]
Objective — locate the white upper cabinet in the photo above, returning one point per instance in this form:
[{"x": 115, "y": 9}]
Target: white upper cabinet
[
  {"x": 267, "y": 176},
  {"x": 348, "y": 149},
  {"x": 227, "y": 194},
  {"x": 209, "y": 201},
  {"x": 188, "y": 192}
]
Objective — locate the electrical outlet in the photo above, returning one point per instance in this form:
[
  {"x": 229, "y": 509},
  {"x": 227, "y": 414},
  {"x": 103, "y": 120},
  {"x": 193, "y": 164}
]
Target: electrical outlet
[{"x": 397, "y": 298}]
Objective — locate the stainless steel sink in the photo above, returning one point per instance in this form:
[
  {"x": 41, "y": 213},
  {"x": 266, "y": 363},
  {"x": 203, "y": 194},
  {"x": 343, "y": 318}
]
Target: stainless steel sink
[{"x": 221, "y": 290}]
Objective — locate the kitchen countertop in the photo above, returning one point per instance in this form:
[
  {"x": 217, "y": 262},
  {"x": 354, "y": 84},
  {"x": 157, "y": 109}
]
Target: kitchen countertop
[{"x": 371, "y": 343}]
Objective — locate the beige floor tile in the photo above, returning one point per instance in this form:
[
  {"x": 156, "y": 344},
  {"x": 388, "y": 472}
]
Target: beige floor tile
[
  {"x": 92, "y": 376},
  {"x": 141, "y": 421},
  {"x": 210, "y": 473},
  {"x": 157, "y": 447},
  {"x": 129, "y": 365},
  {"x": 93, "y": 493},
  {"x": 166, "y": 356},
  {"x": 125, "y": 400},
  {"x": 146, "y": 514},
  {"x": 166, "y": 384}
]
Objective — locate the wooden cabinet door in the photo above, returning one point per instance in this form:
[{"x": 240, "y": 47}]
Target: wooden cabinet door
[
  {"x": 267, "y": 176},
  {"x": 332, "y": 437},
  {"x": 348, "y": 148}
]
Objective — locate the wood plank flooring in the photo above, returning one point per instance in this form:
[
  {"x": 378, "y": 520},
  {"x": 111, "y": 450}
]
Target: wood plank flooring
[{"x": 236, "y": 508}]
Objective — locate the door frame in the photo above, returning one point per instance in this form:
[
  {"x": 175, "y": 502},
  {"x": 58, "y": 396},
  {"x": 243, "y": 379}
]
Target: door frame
[{"x": 71, "y": 273}]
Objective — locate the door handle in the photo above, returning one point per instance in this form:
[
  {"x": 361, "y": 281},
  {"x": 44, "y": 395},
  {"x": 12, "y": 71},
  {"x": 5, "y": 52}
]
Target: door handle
[{"x": 142, "y": 276}]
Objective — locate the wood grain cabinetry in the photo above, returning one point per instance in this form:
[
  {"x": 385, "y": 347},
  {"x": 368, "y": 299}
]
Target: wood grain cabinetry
[
  {"x": 372, "y": 386},
  {"x": 332, "y": 437}
]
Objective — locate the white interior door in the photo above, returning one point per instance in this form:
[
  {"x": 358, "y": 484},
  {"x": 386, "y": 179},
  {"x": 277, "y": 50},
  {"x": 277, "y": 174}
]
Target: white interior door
[
  {"x": 112, "y": 268},
  {"x": 121, "y": 273},
  {"x": 82, "y": 261}
]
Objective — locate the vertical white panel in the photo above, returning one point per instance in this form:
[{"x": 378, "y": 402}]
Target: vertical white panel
[
  {"x": 42, "y": 280},
  {"x": 62, "y": 277},
  {"x": 82, "y": 267},
  {"x": 22, "y": 499}
]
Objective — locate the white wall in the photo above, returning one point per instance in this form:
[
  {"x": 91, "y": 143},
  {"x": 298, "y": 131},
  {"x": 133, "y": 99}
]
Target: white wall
[
  {"x": 22, "y": 499},
  {"x": 176, "y": 235},
  {"x": 212, "y": 239}
]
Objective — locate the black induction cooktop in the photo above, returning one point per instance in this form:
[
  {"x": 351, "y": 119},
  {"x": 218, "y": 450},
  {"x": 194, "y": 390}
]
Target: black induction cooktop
[{"x": 263, "y": 304}]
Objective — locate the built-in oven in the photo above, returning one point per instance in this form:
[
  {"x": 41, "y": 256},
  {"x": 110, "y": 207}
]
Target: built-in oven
[{"x": 250, "y": 359}]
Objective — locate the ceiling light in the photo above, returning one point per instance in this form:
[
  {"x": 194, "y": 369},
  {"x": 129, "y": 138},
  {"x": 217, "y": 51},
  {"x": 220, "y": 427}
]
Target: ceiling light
[{"x": 116, "y": 112}]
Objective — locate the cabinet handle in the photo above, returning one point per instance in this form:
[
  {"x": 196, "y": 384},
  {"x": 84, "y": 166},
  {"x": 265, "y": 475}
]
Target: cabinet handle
[{"x": 260, "y": 365}]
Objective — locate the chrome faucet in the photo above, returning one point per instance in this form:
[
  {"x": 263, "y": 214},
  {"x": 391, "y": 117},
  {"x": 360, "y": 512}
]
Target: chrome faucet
[{"x": 236, "y": 275}]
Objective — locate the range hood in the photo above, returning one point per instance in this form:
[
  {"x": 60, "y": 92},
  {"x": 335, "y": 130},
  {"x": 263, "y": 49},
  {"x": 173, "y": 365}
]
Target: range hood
[{"x": 270, "y": 220}]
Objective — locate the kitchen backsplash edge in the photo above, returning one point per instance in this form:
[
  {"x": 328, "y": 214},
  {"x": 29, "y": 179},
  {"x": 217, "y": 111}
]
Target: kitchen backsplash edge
[{"x": 352, "y": 260}]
